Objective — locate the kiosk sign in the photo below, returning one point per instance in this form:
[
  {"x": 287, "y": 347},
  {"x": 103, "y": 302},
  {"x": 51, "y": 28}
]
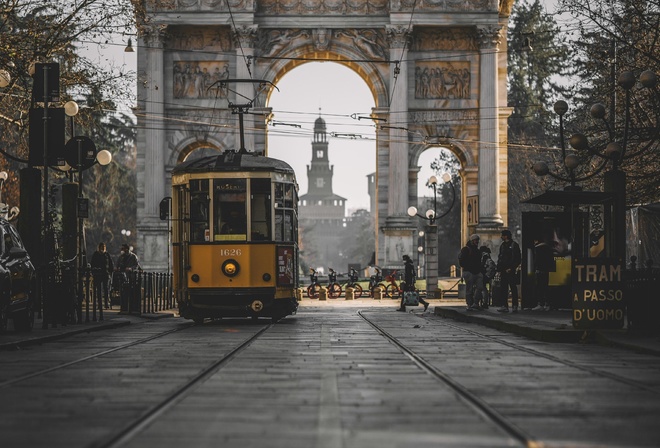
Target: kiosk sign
[{"x": 598, "y": 293}]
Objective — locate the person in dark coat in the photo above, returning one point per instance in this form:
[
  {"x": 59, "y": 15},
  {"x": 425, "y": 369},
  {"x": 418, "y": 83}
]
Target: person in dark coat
[
  {"x": 544, "y": 263},
  {"x": 409, "y": 279},
  {"x": 102, "y": 268},
  {"x": 470, "y": 260},
  {"x": 508, "y": 262}
]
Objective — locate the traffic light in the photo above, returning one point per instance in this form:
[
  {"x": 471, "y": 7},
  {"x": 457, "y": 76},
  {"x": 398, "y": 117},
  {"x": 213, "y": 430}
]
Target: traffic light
[{"x": 165, "y": 206}]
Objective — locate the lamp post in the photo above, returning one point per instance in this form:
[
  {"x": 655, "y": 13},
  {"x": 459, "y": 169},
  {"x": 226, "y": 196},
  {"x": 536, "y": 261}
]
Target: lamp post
[
  {"x": 81, "y": 153},
  {"x": 431, "y": 215},
  {"x": 614, "y": 146}
]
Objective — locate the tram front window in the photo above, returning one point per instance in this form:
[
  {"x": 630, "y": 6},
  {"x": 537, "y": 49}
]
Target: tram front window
[{"x": 230, "y": 211}]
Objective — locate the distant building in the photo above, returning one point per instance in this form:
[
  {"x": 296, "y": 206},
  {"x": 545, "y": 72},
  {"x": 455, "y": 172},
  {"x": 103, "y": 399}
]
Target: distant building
[{"x": 321, "y": 212}]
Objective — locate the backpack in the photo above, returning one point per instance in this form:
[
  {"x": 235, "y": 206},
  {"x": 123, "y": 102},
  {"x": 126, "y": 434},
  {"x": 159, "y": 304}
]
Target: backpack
[{"x": 489, "y": 268}]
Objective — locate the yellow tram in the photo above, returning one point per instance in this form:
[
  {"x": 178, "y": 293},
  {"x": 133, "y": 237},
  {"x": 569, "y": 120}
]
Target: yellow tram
[{"x": 235, "y": 237}]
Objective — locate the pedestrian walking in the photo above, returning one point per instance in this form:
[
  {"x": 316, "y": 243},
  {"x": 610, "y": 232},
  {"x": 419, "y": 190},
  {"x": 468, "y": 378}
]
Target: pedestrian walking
[
  {"x": 102, "y": 268},
  {"x": 470, "y": 260},
  {"x": 409, "y": 276},
  {"x": 508, "y": 261},
  {"x": 544, "y": 263},
  {"x": 489, "y": 269}
]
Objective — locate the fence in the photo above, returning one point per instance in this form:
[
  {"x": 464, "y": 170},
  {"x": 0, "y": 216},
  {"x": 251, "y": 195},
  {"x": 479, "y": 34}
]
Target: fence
[{"x": 141, "y": 292}]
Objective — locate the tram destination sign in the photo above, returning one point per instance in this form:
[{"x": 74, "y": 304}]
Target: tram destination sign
[{"x": 598, "y": 293}]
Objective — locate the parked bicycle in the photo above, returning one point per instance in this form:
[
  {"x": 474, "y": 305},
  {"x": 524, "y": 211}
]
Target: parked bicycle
[
  {"x": 314, "y": 289},
  {"x": 335, "y": 289},
  {"x": 376, "y": 281},
  {"x": 353, "y": 283},
  {"x": 395, "y": 289}
]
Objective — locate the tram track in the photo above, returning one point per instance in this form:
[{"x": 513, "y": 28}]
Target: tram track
[
  {"x": 566, "y": 362},
  {"x": 133, "y": 428},
  {"x": 41, "y": 372},
  {"x": 473, "y": 401}
]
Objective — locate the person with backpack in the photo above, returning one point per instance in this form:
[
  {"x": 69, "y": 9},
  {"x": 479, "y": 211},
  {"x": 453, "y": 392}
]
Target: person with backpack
[
  {"x": 508, "y": 262},
  {"x": 470, "y": 261},
  {"x": 489, "y": 269}
]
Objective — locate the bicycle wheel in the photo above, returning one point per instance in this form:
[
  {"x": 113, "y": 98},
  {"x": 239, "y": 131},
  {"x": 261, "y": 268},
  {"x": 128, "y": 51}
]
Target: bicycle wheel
[
  {"x": 357, "y": 290},
  {"x": 313, "y": 291},
  {"x": 334, "y": 291},
  {"x": 393, "y": 292}
]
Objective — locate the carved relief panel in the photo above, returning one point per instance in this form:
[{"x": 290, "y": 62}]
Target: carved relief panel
[
  {"x": 200, "y": 38},
  {"x": 325, "y": 7},
  {"x": 435, "y": 80},
  {"x": 199, "y": 79}
]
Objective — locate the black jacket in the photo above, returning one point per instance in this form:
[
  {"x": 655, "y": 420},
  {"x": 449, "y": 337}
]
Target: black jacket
[
  {"x": 509, "y": 256},
  {"x": 470, "y": 258},
  {"x": 544, "y": 259},
  {"x": 102, "y": 264}
]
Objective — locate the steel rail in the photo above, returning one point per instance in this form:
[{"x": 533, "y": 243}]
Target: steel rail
[
  {"x": 135, "y": 427},
  {"x": 477, "y": 404}
]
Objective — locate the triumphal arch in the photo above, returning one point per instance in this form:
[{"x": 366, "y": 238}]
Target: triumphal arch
[{"x": 437, "y": 70}]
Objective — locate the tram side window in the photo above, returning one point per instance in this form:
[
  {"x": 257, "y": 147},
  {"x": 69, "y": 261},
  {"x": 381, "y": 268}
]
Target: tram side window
[
  {"x": 284, "y": 220},
  {"x": 229, "y": 208},
  {"x": 260, "y": 209},
  {"x": 199, "y": 211}
]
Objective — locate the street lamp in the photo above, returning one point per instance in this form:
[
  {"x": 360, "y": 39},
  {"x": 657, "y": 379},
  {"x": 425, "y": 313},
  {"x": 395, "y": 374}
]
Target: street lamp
[
  {"x": 431, "y": 215},
  {"x": 81, "y": 154},
  {"x": 614, "y": 146}
]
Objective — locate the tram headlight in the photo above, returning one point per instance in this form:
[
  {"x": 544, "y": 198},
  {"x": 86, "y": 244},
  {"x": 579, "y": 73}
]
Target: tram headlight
[
  {"x": 230, "y": 268},
  {"x": 266, "y": 277},
  {"x": 194, "y": 278}
]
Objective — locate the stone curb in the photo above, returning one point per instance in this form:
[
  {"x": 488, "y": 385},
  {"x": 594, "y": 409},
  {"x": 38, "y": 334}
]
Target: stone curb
[{"x": 519, "y": 328}]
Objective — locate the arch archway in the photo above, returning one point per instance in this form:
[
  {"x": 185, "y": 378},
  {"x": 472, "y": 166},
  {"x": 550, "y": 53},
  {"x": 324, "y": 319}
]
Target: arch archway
[{"x": 438, "y": 78}]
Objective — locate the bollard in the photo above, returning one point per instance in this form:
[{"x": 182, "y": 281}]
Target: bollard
[
  {"x": 349, "y": 294},
  {"x": 452, "y": 270},
  {"x": 323, "y": 293},
  {"x": 378, "y": 293},
  {"x": 299, "y": 294}
]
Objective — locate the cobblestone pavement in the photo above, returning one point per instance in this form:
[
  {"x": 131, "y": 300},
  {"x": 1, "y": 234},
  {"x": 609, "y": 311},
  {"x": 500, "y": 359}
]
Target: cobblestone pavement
[{"x": 327, "y": 378}]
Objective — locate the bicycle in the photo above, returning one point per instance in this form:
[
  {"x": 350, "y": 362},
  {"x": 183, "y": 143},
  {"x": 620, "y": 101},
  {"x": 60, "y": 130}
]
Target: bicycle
[
  {"x": 335, "y": 289},
  {"x": 394, "y": 289},
  {"x": 352, "y": 282},
  {"x": 375, "y": 281},
  {"x": 314, "y": 289}
]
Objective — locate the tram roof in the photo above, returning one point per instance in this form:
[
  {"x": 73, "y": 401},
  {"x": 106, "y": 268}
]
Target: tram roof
[{"x": 233, "y": 161}]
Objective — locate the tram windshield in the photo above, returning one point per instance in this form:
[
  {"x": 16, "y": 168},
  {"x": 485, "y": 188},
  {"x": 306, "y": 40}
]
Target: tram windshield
[{"x": 229, "y": 198}]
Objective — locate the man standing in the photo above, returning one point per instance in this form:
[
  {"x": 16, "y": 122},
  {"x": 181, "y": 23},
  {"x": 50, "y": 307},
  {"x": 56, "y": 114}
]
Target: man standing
[
  {"x": 508, "y": 261},
  {"x": 102, "y": 267},
  {"x": 544, "y": 263},
  {"x": 470, "y": 260}
]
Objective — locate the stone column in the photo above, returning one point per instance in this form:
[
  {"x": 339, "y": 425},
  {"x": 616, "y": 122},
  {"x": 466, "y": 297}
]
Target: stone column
[
  {"x": 397, "y": 191},
  {"x": 245, "y": 36},
  {"x": 489, "y": 178},
  {"x": 151, "y": 236},
  {"x": 154, "y": 89}
]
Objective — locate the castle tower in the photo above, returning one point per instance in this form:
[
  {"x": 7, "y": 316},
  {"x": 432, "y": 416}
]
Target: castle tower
[{"x": 321, "y": 211}]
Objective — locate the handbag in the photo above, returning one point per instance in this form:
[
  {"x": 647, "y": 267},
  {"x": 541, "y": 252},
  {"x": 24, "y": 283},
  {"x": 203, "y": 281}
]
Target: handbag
[{"x": 462, "y": 290}]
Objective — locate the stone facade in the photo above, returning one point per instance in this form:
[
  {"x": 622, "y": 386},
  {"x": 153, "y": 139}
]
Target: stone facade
[{"x": 437, "y": 70}]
